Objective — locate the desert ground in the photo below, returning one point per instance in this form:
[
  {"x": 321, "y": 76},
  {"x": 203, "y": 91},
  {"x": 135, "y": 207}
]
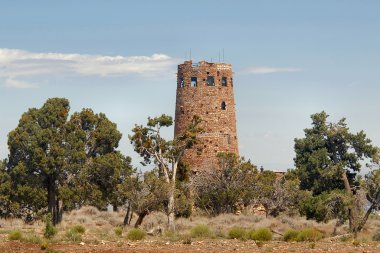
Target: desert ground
[{"x": 100, "y": 235}]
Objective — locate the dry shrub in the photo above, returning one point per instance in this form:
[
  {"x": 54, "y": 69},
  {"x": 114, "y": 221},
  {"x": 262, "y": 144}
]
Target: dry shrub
[
  {"x": 201, "y": 231},
  {"x": 237, "y": 233},
  {"x": 262, "y": 234},
  {"x": 135, "y": 234}
]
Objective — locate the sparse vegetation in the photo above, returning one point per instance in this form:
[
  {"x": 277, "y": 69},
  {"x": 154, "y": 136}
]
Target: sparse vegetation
[
  {"x": 376, "y": 236},
  {"x": 15, "y": 235}
]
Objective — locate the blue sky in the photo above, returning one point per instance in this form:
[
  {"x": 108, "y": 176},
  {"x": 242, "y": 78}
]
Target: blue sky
[{"x": 291, "y": 59}]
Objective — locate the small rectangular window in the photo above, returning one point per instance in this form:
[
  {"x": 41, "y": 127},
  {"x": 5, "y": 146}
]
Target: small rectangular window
[
  {"x": 232, "y": 83},
  {"x": 224, "y": 81},
  {"x": 181, "y": 82},
  {"x": 194, "y": 82},
  {"x": 210, "y": 80}
]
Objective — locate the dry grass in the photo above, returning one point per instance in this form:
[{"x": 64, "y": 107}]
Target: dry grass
[{"x": 100, "y": 225}]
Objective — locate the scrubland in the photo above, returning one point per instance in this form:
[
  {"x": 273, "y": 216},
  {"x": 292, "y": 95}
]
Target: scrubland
[{"x": 91, "y": 230}]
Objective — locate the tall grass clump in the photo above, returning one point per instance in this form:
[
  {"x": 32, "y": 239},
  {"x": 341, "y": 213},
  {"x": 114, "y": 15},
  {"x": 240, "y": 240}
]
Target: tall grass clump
[
  {"x": 31, "y": 238},
  {"x": 118, "y": 231},
  {"x": 237, "y": 233},
  {"x": 135, "y": 234},
  {"x": 79, "y": 229},
  {"x": 200, "y": 231},
  {"x": 15, "y": 235},
  {"x": 50, "y": 231},
  {"x": 262, "y": 235},
  {"x": 73, "y": 236}
]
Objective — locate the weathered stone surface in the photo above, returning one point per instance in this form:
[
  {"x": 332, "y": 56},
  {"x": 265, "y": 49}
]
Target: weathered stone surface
[{"x": 214, "y": 103}]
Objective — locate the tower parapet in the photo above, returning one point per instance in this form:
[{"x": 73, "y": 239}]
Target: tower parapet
[{"x": 206, "y": 89}]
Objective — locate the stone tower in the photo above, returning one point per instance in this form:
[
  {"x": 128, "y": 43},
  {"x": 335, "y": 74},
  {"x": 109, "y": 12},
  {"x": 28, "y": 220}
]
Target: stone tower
[{"x": 206, "y": 89}]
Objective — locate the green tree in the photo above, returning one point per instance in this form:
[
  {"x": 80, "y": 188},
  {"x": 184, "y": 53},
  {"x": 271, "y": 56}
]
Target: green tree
[
  {"x": 148, "y": 142},
  {"x": 329, "y": 158},
  {"x": 37, "y": 151},
  {"x": 53, "y": 161}
]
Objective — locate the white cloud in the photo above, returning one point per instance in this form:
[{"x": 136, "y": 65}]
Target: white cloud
[
  {"x": 12, "y": 83},
  {"x": 16, "y": 63},
  {"x": 268, "y": 70}
]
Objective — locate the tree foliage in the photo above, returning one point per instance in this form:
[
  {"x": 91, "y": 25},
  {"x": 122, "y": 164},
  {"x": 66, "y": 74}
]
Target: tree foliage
[
  {"x": 54, "y": 162},
  {"x": 329, "y": 157},
  {"x": 166, "y": 155}
]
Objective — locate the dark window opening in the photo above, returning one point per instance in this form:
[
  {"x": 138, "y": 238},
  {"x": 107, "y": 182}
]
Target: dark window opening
[
  {"x": 194, "y": 82},
  {"x": 224, "y": 81},
  {"x": 223, "y": 106},
  {"x": 181, "y": 82},
  {"x": 232, "y": 83},
  {"x": 217, "y": 73},
  {"x": 210, "y": 80}
]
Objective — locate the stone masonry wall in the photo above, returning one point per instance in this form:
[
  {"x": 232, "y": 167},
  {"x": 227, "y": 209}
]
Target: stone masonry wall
[{"x": 213, "y": 103}]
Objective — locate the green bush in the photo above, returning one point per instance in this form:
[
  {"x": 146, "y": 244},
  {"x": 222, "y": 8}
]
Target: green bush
[
  {"x": 200, "y": 231},
  {"x": 237, "y": 233},
  {"x": 310, "y": 235},
  {"x": 118, "y": 231},
  {"x": 135, "y": 234},
  {"x": 262, "y": 234},
  {"x": 376, "y": 235},
  {"x": 291, "y": 235},
  {"x": 15, "y": 235},
  {"x": 73, "y": 235},
  {"x": 79, "y": 229}
]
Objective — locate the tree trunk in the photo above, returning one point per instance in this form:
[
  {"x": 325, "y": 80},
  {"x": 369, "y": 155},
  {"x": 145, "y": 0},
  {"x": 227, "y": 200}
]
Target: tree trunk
[
  {"x": 52, "y": 200},
  {"x": 171, "y": 221},
  {"x": 126, "y": 218},
  {"x": 115, "y": 208},
  {"x": 140, "y": 218},
  {"x": 352, "y": 217}
]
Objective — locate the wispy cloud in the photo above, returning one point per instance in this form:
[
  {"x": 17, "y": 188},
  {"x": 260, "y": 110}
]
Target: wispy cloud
[
  {"x": 268, "y": 70},
  {"x": 12, "y": 83},
  {"x": 16, "y": 63}
]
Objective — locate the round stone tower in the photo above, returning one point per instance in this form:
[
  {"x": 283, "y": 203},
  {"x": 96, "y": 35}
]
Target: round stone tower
[{"x": 206, "y": 89}]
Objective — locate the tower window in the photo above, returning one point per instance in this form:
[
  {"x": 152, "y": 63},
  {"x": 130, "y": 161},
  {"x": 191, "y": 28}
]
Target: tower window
[
  {"x": 210, "y": 80},
  {"x": 224, "y": 81},
  {"x": 232, "y": 83},
  {"x": 223, "y": 106},
  {"x": 181, "y": 82},
  {"x": 194, "y": 82}
]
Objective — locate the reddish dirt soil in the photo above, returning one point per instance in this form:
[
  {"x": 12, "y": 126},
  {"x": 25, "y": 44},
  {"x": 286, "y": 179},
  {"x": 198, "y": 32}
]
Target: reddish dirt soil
[{"x": 215, "y": 246}]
